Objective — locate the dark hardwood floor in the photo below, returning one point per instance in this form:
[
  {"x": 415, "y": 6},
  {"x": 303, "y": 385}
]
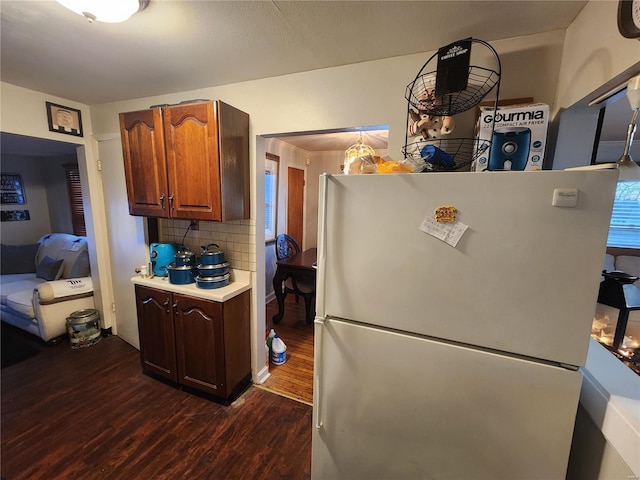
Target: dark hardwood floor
[
  {"x": 91, "y": 413},
  {"x": 294, "y": 378}
]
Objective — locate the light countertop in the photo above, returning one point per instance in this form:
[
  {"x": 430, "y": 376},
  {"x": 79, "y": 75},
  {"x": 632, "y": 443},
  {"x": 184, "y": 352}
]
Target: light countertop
[
  {"x": 611, "y": 395},
  {"x": 240, "y": 281}
]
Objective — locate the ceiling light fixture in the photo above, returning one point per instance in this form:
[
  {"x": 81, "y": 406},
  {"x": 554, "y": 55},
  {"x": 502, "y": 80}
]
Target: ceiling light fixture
[
  {"x": 354, "y": 152},
  {"x": 629, "y": 171},
  {"x": 358, "y": 149},
  {"x": 108, "y": 11}
]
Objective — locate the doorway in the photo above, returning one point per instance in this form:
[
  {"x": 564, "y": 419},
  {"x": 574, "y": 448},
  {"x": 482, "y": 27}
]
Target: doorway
[{"x": 306, "y": 156}]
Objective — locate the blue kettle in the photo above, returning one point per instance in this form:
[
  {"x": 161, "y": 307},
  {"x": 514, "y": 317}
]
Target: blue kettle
[{"x": 162, "y": 254}]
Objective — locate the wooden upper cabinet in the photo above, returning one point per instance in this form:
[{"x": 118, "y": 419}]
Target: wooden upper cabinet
[
  {"x": 188, "y": 161},
  {"x": 144, "y": 162}
]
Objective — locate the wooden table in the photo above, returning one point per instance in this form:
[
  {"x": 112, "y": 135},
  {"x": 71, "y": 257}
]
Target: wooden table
[{"x": 298, "y": 266}]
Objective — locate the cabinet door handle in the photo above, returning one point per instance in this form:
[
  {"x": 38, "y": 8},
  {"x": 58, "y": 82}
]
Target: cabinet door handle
[
  {"x": 171, "y": 202},
  {"x": 166, "y": 305},
  {"x": 175, "y": 307},
  {"x": 162, "y": 201}
]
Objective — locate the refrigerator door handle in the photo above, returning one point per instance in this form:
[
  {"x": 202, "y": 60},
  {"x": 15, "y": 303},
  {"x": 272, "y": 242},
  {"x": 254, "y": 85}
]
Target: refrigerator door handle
[
  {"x": 319, "y": 326},
  {"x": 322, "y": 242}
]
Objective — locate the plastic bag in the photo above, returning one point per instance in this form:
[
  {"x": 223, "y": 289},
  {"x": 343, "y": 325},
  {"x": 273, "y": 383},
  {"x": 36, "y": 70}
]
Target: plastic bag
[
  {"x": 375, "y": 164},
  {"x": 360, "y": 165}
]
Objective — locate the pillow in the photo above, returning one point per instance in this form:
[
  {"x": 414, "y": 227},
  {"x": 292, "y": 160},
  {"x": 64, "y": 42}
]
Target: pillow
[
  {"x": 49, "y": 269},
  {"x": 80, "y": 267},
  {"x": 18, "y": 258}
]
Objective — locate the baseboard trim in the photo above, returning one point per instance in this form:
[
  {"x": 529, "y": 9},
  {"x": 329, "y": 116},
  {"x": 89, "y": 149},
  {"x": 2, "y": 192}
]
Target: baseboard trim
[
  {"x": 263, "y": 375},
  {"x": 106, "y": 332}
]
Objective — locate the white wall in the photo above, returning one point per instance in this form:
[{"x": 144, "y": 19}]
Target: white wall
[
  {"x": 369, "y": 93},
  {"x": 595, "y": 58},
  {"x": 47, "y": 197},
  {"x": 33, "y": 178},
  {"x": 319, "y": 163},
  {"x": 593, "y": 54}
]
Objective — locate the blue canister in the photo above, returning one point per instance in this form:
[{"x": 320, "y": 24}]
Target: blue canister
[{"x": 436, "y": 156}]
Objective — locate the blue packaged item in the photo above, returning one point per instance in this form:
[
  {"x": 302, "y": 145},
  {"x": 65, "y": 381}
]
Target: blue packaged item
[{"x": 436, "y": 156}]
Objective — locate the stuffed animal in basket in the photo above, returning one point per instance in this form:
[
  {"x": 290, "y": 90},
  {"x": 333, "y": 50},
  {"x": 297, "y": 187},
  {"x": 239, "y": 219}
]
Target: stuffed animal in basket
[
  {"x": 428, "y": 126},
  {"x": 431, "y": 130}
]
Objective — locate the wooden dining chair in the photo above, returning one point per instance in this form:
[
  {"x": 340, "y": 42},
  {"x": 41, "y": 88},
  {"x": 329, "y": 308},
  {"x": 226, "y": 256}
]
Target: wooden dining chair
[{"x": 286, "y": 246}]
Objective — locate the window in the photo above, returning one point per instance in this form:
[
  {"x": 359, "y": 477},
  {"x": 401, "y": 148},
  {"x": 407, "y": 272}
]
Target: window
[
  {"x": 75, "y": 199},
  {"x": 270, "y": 196},
  {"x": 624, "y": 230}
]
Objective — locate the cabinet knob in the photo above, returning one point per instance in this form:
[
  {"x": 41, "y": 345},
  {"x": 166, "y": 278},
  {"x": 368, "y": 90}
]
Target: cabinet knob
[
  {"x": 175, "y": 307},
  {"x": 162, "y": 201},
  {"x": 171, "y": 202},
  {"x": 166, "y": 305}
]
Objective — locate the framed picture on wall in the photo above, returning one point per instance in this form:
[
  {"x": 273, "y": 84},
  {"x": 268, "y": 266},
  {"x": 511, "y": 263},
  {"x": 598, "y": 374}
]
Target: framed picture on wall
[
  {"x": 63, "y": 119},
  {"x": 12, "y": 189},
  {"x": 14, "y": 216}
]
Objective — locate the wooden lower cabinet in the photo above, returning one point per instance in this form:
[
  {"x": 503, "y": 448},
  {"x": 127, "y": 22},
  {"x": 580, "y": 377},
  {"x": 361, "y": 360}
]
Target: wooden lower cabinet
[{"x": 195, "y": 342}]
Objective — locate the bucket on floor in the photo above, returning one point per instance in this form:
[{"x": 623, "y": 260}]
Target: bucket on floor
[{"x": 83, "y": 327}]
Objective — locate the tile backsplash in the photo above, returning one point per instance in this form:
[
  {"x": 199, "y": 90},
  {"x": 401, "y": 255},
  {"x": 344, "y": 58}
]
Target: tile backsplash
[{"x": 237, "y": 239}]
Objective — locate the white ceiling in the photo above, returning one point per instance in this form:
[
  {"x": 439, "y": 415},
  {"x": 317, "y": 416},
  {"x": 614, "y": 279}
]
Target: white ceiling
[
  {"x": 377, "y": 139},
  {"x": 175, "y": 46}
]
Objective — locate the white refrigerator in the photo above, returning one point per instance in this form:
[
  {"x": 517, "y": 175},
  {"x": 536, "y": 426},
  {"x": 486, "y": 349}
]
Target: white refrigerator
[{"x": 451, "y": 350}]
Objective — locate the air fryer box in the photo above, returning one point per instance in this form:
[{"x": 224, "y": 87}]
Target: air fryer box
[{"x": 519, "y": 137}]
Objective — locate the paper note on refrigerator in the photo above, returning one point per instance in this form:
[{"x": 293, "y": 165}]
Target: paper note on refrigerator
[{"x": 450, "y": 233}]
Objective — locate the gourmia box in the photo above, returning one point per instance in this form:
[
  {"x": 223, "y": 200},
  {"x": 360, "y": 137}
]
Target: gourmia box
[{"x": 518, "y": 140}]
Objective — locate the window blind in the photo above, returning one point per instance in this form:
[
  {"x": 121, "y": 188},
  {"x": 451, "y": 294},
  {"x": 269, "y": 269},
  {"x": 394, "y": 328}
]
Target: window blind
[
  {"x": 75, "y": 200},
  {"x": 624, "y": 230}
]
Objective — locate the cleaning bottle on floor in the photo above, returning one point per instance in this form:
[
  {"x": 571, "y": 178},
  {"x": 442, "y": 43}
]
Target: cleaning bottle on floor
[
  {"x": 272, "y": 334},
  {"x": 278, "y": 351}
]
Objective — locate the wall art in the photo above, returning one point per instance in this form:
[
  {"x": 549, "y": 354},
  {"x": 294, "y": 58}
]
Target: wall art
[
  {"x": 14, "y": 215},
  {"x": 12, "y": 189},
  {"x": 63, "y": 119}
]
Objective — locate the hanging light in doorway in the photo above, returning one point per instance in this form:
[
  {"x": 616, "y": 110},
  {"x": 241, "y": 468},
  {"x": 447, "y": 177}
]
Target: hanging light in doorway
[{"x": 354, "y": 152}]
